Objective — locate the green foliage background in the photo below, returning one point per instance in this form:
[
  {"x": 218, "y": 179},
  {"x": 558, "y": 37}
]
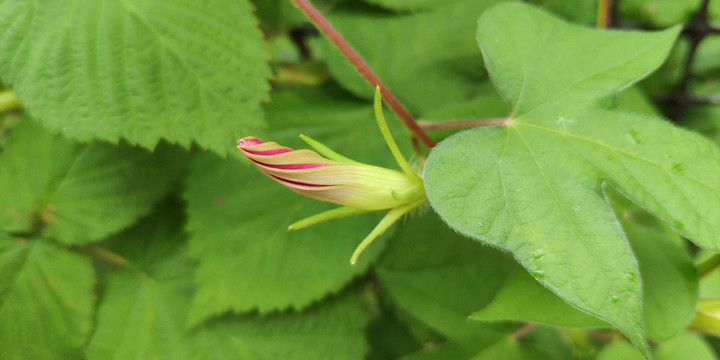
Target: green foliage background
[{"x": 130, "y": 227}]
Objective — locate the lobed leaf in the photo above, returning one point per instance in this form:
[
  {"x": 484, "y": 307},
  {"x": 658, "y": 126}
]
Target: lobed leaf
[{"x": 535, "y": 186}]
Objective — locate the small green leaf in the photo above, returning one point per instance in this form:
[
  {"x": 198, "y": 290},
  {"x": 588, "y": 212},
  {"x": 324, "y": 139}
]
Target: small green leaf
[
  {"x": 76, "y": 193},
  {"x": 659, "y": 13},
  {"x": 181, "y": 70},
  {"x": 46, "y": 300},
  {"x": 239, "y": 217},
  {"x": 685, "y": 345},
  {"x": 619, "y": 350},
  {"x": 440, "y": 278},
  {"x": 534, "y": 187},
  {"x": 522, "y": 298}
]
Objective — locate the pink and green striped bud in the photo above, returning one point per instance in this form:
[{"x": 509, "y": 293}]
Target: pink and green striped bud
[
  {"x": 331, "y": 177},
  {"x": 340, "y": 181}
]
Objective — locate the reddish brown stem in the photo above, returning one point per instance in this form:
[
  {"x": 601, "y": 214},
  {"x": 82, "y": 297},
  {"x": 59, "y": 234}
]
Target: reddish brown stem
[
  {"x": 464, "y": 123},
  {"x": 326, "y": 28},
  {"x": 604, "y": 10}
]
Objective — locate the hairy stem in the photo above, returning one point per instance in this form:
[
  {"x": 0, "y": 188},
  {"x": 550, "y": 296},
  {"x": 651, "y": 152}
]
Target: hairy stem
[
  {"x": 464, "y": 123},
  {"x": 8, "y": 101},
  {"x": 333, "y": 35}
]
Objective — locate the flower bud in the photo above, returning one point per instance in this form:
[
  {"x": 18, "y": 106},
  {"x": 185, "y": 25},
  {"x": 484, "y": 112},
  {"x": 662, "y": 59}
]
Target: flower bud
[{"x": 342, "y": 181}]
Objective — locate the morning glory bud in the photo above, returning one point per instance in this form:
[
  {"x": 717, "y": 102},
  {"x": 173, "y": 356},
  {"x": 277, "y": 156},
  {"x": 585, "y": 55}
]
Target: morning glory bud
[
  {"x": 331, "y": 177},
  {"x": 344, "y": 182}
]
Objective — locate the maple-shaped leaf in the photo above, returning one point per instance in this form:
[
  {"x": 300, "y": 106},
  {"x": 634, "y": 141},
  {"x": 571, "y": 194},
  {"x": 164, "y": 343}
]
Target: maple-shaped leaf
[
  {"x": 185, "y": 71},
  {"x": 534, "y": 187}
]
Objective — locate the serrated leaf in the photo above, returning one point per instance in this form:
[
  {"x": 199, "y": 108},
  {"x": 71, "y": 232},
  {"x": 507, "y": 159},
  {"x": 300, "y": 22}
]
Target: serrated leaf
[
  {"x": 76, "y": 193},
  {"x": 534, "y": 187},
  {"x": 239, "y": 217},
  {"x": 181, "y": 70},
  {"x": 145, "y": 307},
  {"x": 428, "y": 59},
  {"x": 670, "y": 285},
  {"x": 46, "y": 300},
  {"x": 440, "y": 278}
]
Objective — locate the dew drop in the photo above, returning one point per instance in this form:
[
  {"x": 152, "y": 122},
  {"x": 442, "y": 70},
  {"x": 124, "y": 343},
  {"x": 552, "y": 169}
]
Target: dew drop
[
  {"x": 614, "y": 299},
  {"x": 631, "y": 277},
  {"x": 678, "y": 225},
  {"x": 538, "y": 274},
  {"x": 537, "y": 254},
  {"x": 633, "y": 136}
]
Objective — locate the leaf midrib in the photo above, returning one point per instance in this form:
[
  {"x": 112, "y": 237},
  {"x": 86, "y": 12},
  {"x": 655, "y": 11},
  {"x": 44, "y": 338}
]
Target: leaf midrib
[{"x": 614, "y": 149}]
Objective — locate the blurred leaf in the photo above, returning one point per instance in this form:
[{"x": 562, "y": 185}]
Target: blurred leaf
[
  {"x": 619, "y": 350},
  {"x": 429, "y": 59},
  {"x": 390, "y": 338},
  {"x": 534, "y": 187},
  {"x": 670, "y": 284},
  {"x": 145, "y": 307},
  {"x": 76, "y": 193},
  {"x": 522, "y": 298},
  {"x": 707, "y": 59},
  {"x": 659, "y": 13},
  {"x": 705, "y": 120},
  {"x": 669, "y": 279},
  {"x": 239, "y": 217},
  {"x": 685, "y": 346},
  {"x": 441, "y": 278},
  {"x": 46, "y": 300},
  {"x": 181, "y": 70},
  {"x": 510, "y": 349},
  {"x": 707, "y": 317},
  {"x": 579, "y": 11}
]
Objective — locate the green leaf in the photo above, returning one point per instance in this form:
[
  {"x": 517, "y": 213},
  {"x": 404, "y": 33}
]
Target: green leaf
[
  {"x": 429, "y": 59},
  {"x": 440, "y": 278},
  {"x": 181, "y": 70},
  {"x": 331, "y": 330},
  {"x": 145, "y": 307},
  {"x": 522, "y": 298},
  {"x": 239, "y": 217},
  {"x": 659, "y": 13},
  {"x": 619, "y": 350},
  {"x": 534, "y": 187},
  {"x": 46, "y": 300},
  {"x": 510, "y": 349},
  {"x": 670, "y": 284},
  {"x": 685, "y": 345},
  {"x": 78, "y": 193}
]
